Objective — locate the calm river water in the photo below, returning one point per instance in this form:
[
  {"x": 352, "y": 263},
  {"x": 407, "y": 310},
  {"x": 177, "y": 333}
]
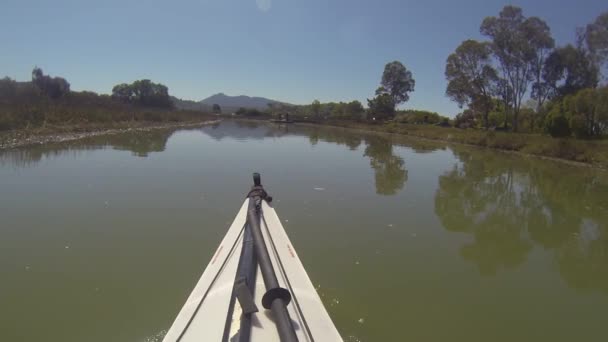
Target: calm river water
[{"x": 408, "y": 240}]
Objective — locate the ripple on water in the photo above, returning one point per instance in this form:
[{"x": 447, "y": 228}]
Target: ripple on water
[{"x": 158, "y": 337}]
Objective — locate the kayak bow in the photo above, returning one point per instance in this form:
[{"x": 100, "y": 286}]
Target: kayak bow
[{"x": 255, "y": 263}]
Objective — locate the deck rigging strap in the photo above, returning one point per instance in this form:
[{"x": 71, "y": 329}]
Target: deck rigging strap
[
  {"x": 243, "y": 290},
  {"x": 200, "y": 302}
]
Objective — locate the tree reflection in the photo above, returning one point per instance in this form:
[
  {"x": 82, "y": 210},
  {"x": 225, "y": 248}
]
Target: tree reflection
[
  {"x": 484, "y": 203},
  {"x": 27, "y": 157},
  {"x": 390, "y": 172},
  {"x": 389, "y": 169},
  {"x": 139, "y": 143},
  {"x": 332, "y": 135},
  {"x": 244, "y": 130},
  {"x": 512, "y": 205}
]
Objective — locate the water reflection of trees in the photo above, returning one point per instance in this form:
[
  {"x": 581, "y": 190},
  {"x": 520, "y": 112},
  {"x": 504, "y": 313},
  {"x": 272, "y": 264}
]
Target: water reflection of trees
[
  {"x": 334, "y": 136},
  {"x": 511, "y": 205},
  {"x": 389, "y": 169},
  {"x": 244, "y": 130},
  {"x": 139, "y": 143},
  {"x": 390, "y": 173},
  {"x": 27, "y": 157}
]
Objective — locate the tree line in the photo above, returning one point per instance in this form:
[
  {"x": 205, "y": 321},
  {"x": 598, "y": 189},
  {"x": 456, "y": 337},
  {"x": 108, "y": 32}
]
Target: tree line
[
  {"x": 50, "y": 100},
  {"x": 396, "y": 84},
  {"x": 519, "y": 76},
  {"x": 52, "y": 87},
  {"x": 516, "y": 80},
  {"x": 143, "y": 92}
]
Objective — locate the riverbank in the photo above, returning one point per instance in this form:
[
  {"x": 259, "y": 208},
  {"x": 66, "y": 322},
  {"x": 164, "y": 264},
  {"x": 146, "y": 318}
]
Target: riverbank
[
  {"x": 582, "y": 152},
  {"x": 53, "y": 134}
]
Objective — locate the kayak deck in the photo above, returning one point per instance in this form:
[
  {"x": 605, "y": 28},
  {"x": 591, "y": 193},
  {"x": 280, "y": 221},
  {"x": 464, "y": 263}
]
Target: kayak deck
[{"x": 207, "y": 314}]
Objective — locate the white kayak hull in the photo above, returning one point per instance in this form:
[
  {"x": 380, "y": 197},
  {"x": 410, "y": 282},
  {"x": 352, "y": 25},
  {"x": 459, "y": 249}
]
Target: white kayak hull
[{"x": 207, "y": 309}]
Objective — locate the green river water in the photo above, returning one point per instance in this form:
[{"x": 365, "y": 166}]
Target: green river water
[{"x": 103, "y": 239}]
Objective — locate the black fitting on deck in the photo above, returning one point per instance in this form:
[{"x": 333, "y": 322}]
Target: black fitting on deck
[{"x": 257, "y": 190}]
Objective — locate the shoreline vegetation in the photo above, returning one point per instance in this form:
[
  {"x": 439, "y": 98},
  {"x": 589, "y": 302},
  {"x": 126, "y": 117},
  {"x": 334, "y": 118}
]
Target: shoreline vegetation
[
  {"x": 592, "y": 153},
  {"x": 45, "y": 110},
  {"x": 587, "y": 153},
  {"x": 519, "y": 92}
]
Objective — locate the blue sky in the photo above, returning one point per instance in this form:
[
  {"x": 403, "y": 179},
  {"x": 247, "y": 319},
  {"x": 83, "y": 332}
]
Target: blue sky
[{"x": 290, "y": 50}]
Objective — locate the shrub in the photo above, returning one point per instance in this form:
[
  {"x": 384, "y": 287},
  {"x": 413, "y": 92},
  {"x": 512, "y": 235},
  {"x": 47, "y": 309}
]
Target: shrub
[
  {"x": 6, "y": 122},
  {"x": 465, "y": 119},
  {"x": 411, "y": 116},
  {"x": 578, "y": 127},
  {"x": 153, "y": 116},
  {"x": 557, "y": 126}
]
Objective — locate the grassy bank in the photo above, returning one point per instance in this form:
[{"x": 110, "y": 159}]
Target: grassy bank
[
  {"x": 591, "y": 152},
  {"x": 81, "y": 109},
  {"x": 46, "y": 107},
  {"x": 28, "y": 115}
]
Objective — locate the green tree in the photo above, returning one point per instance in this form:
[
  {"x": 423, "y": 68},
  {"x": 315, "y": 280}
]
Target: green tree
[
  {"x": 596, "y": 38},
  {"x": 588, "y": 111},
  {"x": 354, "y": 110},
  {"x": 516, "y": 41},
  {"x": 411, "y": 116},
  {"x": 315, "y": 107},
  {"x": 143, "y": 92},
  {"x": 539, "y": 35},
  {"x": 216, "y": 108},
  {"x": 470, "y": 76},
  {"x": 382, "y": 106},
  {"x": 505, "y": 93},
  {"x": 569, "y": 69},
  {"x": 53, "y": 87},
  {"x": 38, "y": 79},
  {"x": 123, "y": 92},
  {"x": 8, "y": 88},
  {"x": 465, "y": 119},
  {"x": 337, "y": 111},
  {"x": 397, "y": 81},
  {"x": 142, "y": 89},
  {"x": 556, "y": 122}
]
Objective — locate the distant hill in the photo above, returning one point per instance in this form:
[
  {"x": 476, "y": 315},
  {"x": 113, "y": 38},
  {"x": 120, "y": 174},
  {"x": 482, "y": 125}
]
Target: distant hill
[
  {"x": 226, "y": 101},
  {"x": 189, "y": 105}
]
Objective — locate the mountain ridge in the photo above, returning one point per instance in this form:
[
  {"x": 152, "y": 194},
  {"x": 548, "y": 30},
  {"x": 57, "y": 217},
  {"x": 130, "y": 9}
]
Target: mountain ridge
[
  {"x": 245, "y": 101},
  {"x": 226, "y": 102}
]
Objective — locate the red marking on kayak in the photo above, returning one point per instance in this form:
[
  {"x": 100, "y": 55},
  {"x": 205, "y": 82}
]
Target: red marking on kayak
[
  {"x": 217, "y": 254},
  {"x": 293, "y": 255}
]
